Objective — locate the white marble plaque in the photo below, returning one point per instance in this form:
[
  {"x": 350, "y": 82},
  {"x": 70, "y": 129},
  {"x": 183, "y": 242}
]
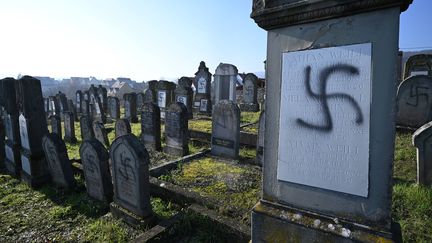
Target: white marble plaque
[
  {"x": 23, "y": 132},
  {"x": 162, "y": 99},
  {"x": 324, "y": 118},
  {"x": 202, "y": 83}
]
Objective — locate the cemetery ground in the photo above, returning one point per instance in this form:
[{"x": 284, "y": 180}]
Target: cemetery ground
[{"x": 46, "y": 214}]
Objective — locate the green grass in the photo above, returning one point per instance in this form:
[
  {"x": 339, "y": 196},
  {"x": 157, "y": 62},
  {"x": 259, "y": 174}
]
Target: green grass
[{"x": 249, "y": 117}]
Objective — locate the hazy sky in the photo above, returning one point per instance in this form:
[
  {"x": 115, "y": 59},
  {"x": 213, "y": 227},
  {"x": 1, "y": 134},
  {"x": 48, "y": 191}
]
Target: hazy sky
[{"x": 145, "y": 40}]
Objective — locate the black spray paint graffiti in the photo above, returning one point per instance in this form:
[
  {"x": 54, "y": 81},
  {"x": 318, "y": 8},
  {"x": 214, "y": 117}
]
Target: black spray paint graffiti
[
  {"x": 126, "y": 170},
  {"x": 414, "y": 92},
  {"x": 323, "y": 97}
]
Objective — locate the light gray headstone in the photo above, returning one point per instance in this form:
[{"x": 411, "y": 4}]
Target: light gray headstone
[
  {"x": 225, "y": 79},
  {"x": 226, "y": 129},
  {"x": 86, "y": 128},
  {"x": 69, "y": 127},
  {"x": 176, "y": 130}
]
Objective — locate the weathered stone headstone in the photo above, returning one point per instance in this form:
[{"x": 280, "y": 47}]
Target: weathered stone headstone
[
  {"x": 62, "y": 101},
  {"x": 86, "y": 128},
  {"x": 202, "y": 83},
  {"x": 97, "y": 110},
  {"x": 73, "y": 110},
  {"x": 54, "y": 106},
  {"x": 57, "y": 158},
  {"x": 130, "y": 107},
  {"x": 69, "y": 127},
  {"x": 225, "y": 82},
  {"x": 422, "y": 140},
  {"x": 100, "y": 133},
  {"x": 165, "y": 95},
  {"x": 184, "y": 94},
  {"x": 130, "y": 163},
  {"x": 102, "y": 94},
  {"x": 86, "y": 108},
  {"x": 10, "y": 118},
  {"x": 150, "y": 94},
  {"x": 79, "y": 99},
  {"x": 414, "y": 102},
  {"x": 2, "y": 144},
  {"x": 140, "y": 97},
  {"x": 122, "y": 127},
  {"x": 151, "y": 126},
  {"x": 225, "y": 139},
  {"x": 56, "y": 125},
  {"x": 95, "y": 161},
  {"x": 176, "y": 130},
  {"x": 260, "y": 139},
  {"x": 33, "y": 126},
  {"x": 86, "y": 95},
  {"x": 250, "y": 93},
  {"x": 329, "y": 105},
  {"x": 114, "y": 107},
  {"x": 420, "y": 64}
]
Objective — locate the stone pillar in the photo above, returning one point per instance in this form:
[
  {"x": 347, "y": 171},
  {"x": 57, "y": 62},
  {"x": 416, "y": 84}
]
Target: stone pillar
[
  {"x": 202, "y": 83},
  {"x": 320, "y": 163},
  {"x": 33, "y": 127},
  {"x": 225, "y": 79}
]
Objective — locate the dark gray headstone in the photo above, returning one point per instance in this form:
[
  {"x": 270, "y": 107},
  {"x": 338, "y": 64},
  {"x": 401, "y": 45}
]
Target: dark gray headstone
[
  {"x": 122, "y": 127},
  {"x": 102, "y": 94},
  {"x": 414, "y": 102},
  {"x": 225, "y": 129},
  {"x": 202, "y": 83},
  {"x": 151, "y": 126},
  {"x": 165, "y": 95},
  {"x": 184, "y": 94},
  {"x": 73, "y": 110},
  {"x": 130, "y": 107},
  {"x": 95, "y": 161},
  {"x": 62, "y": 101},
  {"x": 420, "y": 64},
  {"x": 59, "y": 165},
  {"x": 176, "y": 130},
  {"x": 100, "y": 133},
  {"x": 250, "y": 91},
  {"x": 69, "y": 127},
  {"x": 79, "y": 99},
  {"x": 97, "y": 110},
  {"x": 225, "y": 79},
  {"x": 54, "y": 106},
  {"x": 86, "y": 128},
  {"x": 422, "y": 139},
  {"x": 86, "y": 108},
  {"x": 140, "y": 100},
  {"x": 260, "y": 139},
  {"x": 56, "y": 125},
  {"x": 130, "y": 163},
  {"x": 150, "y": 94},
  {"x": 114, "y": 107}
]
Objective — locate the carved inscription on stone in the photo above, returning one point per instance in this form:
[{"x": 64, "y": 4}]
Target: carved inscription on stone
[{"x": 324, "y": 118}]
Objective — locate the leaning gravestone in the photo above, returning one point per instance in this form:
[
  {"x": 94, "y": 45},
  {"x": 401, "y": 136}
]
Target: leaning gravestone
[
  {"x": 250, "y": 93},
  {"x": 184, "y": 94},
  {"x": 96, "y": 168},
  {"x": 165, "y": 95},
  {"x": 225, "y": 129},
  {"x": 100, "y": 133},
  {"x": 202, "y": 83},
  {"x": 176, "y": 130},
  {"x": 225, "y": 82},
  {"x": 130, "y": 107},
  {"x": 130, "y": 163},
  {"x": 69, "y": 127},
  {"x": 260, "y": 139},
  {"x": 79, "y": 99},
  {"x": 97, "y": 111},
  {"x": 56, "y": 125},
  {"x": 327, "y": 172},
  {"x": 86, "y": 128},
  {"x": 151, "y": 126},
  {"x": 73, "y": 110},
  {"x": 422, "y": 140},
  {"x": 122, "y": 127},
  {"x": 33, "y": 126},
  {"x": 114, "y": 107},
  {"x": 59, "y": 165},
  {"x": 414, "y": 102}
]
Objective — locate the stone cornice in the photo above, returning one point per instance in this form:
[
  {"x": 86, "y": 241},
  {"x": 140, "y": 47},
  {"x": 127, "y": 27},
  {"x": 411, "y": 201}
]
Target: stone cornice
[{"x": 271, "y": 14}]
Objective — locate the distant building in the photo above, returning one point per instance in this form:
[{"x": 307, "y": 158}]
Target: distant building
[
  {"x": 118, "y": 89},
  {"x": 47, "y": 83}
]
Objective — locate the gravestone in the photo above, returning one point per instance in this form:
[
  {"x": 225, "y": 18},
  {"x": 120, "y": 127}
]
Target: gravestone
[
  {"x": 151, "y": 126},
  {"x": 97, "y": 111},
  {"x": 96, "y": 168},
  {"x": 86, "y": 128},
  {"x": 202, "y": 83},
  {"x": 150, "y": 94},
  {"x": 165, "y": 95},
  {"x": 330, "y": 85},
  {"x": 414, "y": 102},
  {"x": 130, "y": 163},
  {"x": 114, "y": 107},
  {"x": 33, "y": 126},
  {"x": 122, "y": 127},
  {"x": 79, "y": 99},
  {"x": 69, "y": 127},
  {"x": 86, "y": 95},
  {"x": 2, "y": 144},
  {"x": 225, "y": 129},
  {"x": 176, "y": 130},
  {"x": 225, "y": 82},
  {"x": 140, "y": 97},
  {"x": 130, "y": 107},
  {"x": 56, "y": 125},
  {"x": 420, "y": 64},
  {"x": 54, "y": 106},
  {"x": 100, "y": 133},
  {"x": 10, "y": 119},
  {"x": 57, "y": 158},
  {"x": 86, "y": 108},
  {"x": 250, "y": 94},
  {"x": 46, "y": 106},
  {"x": 260, "y": 139},
  {"x": 62, "y": 101},
  {"x": 102, "y": 94},
  {"x": 184, "y": 94},
  {"x": 73, "y": 110},
  {"x": 422, "y": 140}
]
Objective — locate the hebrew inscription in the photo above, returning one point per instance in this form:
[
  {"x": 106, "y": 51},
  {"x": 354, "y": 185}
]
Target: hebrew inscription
[{"x": 324, "y": 118}]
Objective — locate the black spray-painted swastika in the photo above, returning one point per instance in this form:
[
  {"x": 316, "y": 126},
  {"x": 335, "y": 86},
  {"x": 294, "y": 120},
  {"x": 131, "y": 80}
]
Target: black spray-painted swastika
[{"x": 322, "y": 97}]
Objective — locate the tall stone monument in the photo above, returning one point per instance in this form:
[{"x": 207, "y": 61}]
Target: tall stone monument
[
  {"x": 329, "y": 100},
  {"x": 202, "y": 83},
  {"x": 225, "y": 82}
]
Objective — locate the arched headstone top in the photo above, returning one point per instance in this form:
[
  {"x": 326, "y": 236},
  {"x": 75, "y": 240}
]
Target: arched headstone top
[{"x": 226, "y": 69}]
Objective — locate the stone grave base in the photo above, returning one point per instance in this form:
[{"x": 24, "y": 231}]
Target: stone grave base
[
  {"x": 13, "y": 167},
  {"x": 130, "y": 218},
  {"x": 277, "y": 223},
  {"x": 34, "y": 170},
  {"x": 249, "y": 107},
  {"x": 176, "y": 151},
  {"x": 70, "y": 139}
]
